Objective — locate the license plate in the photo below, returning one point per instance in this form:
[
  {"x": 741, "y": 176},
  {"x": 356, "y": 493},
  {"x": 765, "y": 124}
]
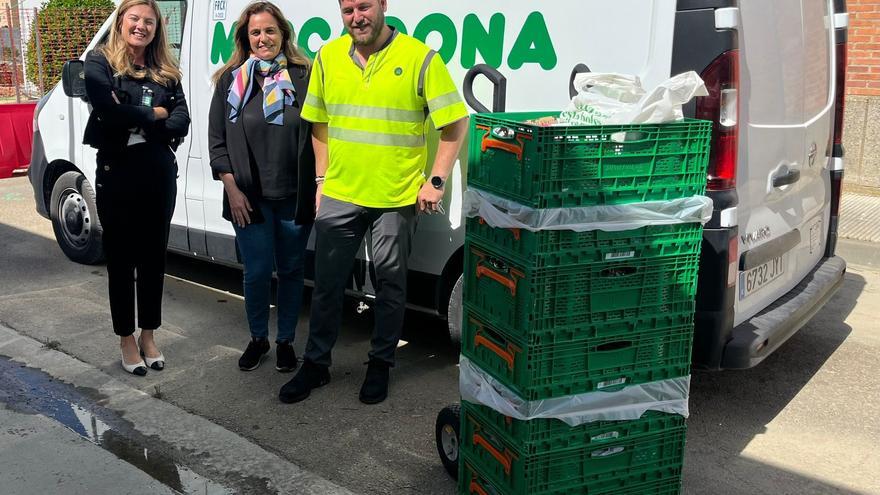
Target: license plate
[{"x": 753, "y": 280}]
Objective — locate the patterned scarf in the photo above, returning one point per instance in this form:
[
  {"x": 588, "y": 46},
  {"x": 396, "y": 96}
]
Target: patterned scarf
[{"x": 278, "y": 90}]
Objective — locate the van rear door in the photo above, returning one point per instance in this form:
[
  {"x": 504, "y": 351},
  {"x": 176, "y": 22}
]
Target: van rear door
[{"x": 786, "y": 117}]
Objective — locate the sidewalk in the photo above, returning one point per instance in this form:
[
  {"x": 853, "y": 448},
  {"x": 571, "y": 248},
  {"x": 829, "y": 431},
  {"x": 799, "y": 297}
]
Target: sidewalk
[
  {"x": 860, "y": 217},
  {"x": 859, "y": 230},
  {"x": 71, "y": 428},
  {"x": 39, "y": 455}
]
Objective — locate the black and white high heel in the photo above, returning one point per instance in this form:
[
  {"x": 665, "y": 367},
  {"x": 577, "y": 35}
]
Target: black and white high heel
[
  {"x": 157, "y": 363},
  {"x": 139, "y": 368}
]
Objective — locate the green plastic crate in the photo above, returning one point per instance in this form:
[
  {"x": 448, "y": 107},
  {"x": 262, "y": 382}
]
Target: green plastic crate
[
  {"x": 662, "y": 482},
  {"x": 561, "y": 247},
  {"x": 538, "y": 436},
  {"x": 553, "y": 329},
  {"x": 524, "y": 298},
  {"x": 606, "y": 469},
  {"x": 567, "y": 166},
  {"x": 569, "y": 367}
]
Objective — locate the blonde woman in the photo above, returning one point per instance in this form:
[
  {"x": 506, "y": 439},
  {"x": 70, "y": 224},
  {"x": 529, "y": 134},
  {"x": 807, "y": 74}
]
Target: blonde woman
[
  {"x": 139, "y": 115},
  {"x": 262, "y": 151}
]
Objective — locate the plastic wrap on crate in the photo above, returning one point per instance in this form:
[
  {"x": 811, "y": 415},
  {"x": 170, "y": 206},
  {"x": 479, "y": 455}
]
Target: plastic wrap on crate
[
  {"x": 504, "y": 213},
  {"x": 630, "y": 403}
]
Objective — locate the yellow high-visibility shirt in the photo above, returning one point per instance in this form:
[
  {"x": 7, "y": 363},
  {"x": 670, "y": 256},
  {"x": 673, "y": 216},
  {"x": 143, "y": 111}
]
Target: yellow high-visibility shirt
[{"x": 376, "y": 117}]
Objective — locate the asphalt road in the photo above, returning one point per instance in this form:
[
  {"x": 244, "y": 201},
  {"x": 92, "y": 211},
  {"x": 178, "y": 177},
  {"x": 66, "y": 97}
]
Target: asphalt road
[{"x": 803, "y": 422}]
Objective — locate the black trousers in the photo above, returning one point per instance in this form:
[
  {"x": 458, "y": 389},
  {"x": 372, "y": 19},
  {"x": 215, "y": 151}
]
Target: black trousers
[
  {"x": 340, "y": 227},
  {"x": 135, "y": 191}
]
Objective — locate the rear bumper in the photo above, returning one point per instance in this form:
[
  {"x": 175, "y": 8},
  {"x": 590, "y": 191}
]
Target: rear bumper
[{"x": 757, "y": 338}]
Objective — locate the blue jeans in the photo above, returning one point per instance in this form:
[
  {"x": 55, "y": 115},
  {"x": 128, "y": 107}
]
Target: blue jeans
[{"x": 277, "y": 243}]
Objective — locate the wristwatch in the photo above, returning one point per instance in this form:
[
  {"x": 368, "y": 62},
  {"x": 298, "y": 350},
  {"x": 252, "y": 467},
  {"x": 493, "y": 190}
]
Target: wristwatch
[{"x": 437, "y": 182}]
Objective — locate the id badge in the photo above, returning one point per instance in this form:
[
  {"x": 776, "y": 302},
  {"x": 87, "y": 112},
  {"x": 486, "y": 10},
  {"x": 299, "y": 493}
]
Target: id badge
[{"x": 146, "y": 96}]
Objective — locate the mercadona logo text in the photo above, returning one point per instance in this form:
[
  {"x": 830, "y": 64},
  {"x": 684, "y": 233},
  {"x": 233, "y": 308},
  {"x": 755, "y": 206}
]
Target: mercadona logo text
[{"x": 533, "y": 44}]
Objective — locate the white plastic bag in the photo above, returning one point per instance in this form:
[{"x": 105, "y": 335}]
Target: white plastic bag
[
  {"x": 669, "y": 396},
  {"x": 504, "y": 213},
  {"x": 609, "y": 98}
]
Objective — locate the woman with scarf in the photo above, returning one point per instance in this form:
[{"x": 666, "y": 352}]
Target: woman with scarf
[
  {"x": 139, "y": 114},
  {"x": 262, "y": 152}
]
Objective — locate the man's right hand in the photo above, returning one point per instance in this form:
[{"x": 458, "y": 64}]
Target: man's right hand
[
  {"x": 160, "y": 113},
  {"x": 238, "y": 205}
]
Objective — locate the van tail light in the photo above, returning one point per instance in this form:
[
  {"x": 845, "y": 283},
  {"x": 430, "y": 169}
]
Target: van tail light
[
  {"x": 840, "y": 98},
  {"x": 722, "y": 108},
  {"x": 837, "y": 150},
  {"x": 733, "y": 261}
]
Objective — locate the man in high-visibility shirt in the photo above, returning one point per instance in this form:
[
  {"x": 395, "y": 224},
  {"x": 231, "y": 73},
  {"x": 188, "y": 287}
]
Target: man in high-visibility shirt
[{"x": 369, "y": 96}]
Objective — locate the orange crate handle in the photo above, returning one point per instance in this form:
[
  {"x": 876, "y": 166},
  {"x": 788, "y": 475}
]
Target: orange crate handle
[
  {"x": 503, "y": 458},
  {"x": 515, "y": 231},
  {"x": 510, "y": 283},
  {"x": 507, "y": 355},
  {"x": 489, "y": 141},
  {"x": 482, "y": 270},
  {"x": 476, "y": 488}
]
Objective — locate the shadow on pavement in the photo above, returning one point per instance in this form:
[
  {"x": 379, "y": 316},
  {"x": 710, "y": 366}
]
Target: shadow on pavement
[{"x": 730, "y": 409}]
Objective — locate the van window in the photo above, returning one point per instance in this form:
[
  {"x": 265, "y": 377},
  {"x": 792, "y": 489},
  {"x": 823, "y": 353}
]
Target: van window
[
  {"x": 174, "y": 12},
  {"x": 787, "y": 60}
]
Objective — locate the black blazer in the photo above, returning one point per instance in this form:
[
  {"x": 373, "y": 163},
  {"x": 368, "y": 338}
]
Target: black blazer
[
  {"x": 110, "y": 121},
  {"x": 229, "y": 150}
]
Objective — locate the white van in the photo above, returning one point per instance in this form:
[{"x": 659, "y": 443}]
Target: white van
[{"x": 774, "y": 70}]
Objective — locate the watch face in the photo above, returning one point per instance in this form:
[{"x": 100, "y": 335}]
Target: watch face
[{"x": 436, "y": 182}]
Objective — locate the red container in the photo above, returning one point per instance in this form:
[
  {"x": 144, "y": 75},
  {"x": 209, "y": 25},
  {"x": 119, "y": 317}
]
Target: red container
[{"x": 16, "y": 137}]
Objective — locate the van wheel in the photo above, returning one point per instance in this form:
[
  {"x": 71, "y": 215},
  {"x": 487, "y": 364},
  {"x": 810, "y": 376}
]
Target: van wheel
[
  {"x": 454, "y": 311},
  {"x": 447, "y": 435},
  {"x": 75, "y": 219}
]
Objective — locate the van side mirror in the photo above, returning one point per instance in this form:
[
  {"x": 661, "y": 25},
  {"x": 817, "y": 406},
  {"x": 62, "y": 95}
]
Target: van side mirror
[{"x": 73, "y": 79}]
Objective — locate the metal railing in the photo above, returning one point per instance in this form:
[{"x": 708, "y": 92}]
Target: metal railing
[{"x": 34, "y": 45}]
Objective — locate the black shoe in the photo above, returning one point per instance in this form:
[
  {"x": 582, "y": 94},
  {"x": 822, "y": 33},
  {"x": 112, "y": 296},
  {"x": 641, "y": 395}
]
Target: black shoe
[
  {"x": 253, "y": 355},
  {"x": 285, "y": 357},
  {"x": 375, "y": 387},
  {"x": 309, "y": 376}
]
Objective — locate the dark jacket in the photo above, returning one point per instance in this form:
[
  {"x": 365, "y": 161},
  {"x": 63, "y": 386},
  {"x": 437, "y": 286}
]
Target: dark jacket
[
  {"x": 229, "y": 150},
  {"x": 110, "y": 121}
]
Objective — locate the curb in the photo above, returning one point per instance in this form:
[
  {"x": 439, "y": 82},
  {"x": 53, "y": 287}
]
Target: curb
[{"x": 206, "y": 444}]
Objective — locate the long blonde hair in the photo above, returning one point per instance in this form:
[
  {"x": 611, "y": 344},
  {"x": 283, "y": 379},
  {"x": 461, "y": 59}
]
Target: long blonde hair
[
  {"x": 161, "y": 65},
  {"x": 243, "y": 46}
]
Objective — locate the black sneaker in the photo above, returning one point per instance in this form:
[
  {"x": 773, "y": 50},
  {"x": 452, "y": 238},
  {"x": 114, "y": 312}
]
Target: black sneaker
[
  {"x": 285, "y": 357},
  {"x": 253, "y": 355},
  {"x": 375, "y": 387},
  {"x": 309, "y": 376}
]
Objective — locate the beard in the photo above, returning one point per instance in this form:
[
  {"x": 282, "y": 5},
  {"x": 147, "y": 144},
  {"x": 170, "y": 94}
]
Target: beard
[{"x": 371, "y": 36}]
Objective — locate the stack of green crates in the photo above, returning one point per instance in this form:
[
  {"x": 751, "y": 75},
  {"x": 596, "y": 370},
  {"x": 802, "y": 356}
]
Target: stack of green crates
[{"x": 555, "y": 313}]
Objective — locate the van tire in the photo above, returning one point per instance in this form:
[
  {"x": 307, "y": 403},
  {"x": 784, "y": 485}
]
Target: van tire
[
  {"x": 454, "y": 310},
  {"x": 74, "y": 215}
]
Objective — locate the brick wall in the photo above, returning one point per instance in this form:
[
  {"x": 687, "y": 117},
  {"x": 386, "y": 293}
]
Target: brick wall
[
  {"x": 862, "y": 122},
  {"x": 863, "y": 75}
]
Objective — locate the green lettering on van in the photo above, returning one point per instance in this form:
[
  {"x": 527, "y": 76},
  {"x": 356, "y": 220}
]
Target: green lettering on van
[
  {"x": 490, "y": 43},
  {"x": 397, "y": 24},
  {"x": 313, "y": 26},
  {"x": 533, "y": 45},
  {"x": 439, "y": 23},
  {"x": 222, "y": 44}
]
